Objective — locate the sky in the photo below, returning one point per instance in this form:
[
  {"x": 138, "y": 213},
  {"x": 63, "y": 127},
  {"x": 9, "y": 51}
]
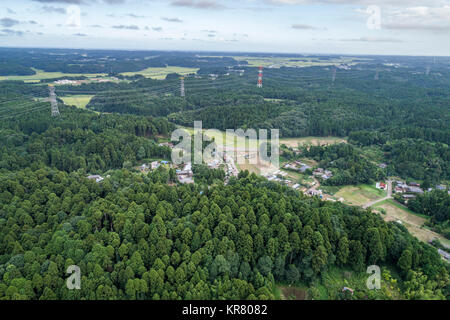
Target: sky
[{"x": 390, "y": 27}]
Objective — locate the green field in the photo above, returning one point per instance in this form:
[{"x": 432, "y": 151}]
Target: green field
[
  {"x": 79, "y": 101},
  {"x": 294, "y": 142},
  {"x": 42, "y": 75},
  {"x": 360, "y": 194},
  {"x": 161, "y": 73},
  {"x": 236, "y": 141},
  {"x": 277, "y": 62},
  {"x": 240, "y": 142}
]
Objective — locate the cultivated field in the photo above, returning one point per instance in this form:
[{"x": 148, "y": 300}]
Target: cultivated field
[
  {"x": 161, "y": 73},
  {"x": 42, "y": 75},
  {"x": 413, "y": 222},
  {"x": 277, "y": 62}
]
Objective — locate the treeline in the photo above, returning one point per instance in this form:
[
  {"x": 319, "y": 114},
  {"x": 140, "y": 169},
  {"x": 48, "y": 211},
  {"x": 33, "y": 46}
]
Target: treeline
[
  {"x": 19, "y": 61},
  {"x": 348, "y": 164},
  {"x": 418, "y": 159},
  {"x": 80, "y": 140},
  {"x": 205, "y": 175},
  {"x": 436, "y": 205},
  {"x": 135, "y": 237}
]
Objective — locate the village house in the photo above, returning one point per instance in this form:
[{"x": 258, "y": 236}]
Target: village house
[
  {"x": 144, "y": 168},
  {"x": 380, "y": 185},
  {"x": 96, "y": 177},
  {"x": 154, "y": 165}
]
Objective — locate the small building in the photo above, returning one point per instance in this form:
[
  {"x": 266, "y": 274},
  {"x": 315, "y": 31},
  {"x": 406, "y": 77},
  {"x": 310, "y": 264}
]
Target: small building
[
  {"x": 347, "y": 289},
  {"x": 398, "y": 190},
  {"x": 380, "y": 185},
  {"x": 96, "y": 177},
  {"x": 444, "y": 254},
  {"x": 154, "y": 165},
  {"x": 413, "y": 189},
  {"x": 304, "y": 167}
]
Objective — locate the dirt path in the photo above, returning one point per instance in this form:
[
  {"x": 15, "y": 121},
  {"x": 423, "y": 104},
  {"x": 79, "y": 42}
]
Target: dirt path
[
  {"x": 315, "y": 186},
  {"x": 389, "y": 196}
]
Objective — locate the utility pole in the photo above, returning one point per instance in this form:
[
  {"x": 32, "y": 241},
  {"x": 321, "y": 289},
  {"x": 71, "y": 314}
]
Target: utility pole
[
  {"x": 182, "y": 92},
  {"x": 376, "y": 75},
  {"x": 53, "y": 102},
  {"x": 428, "y": 70},
  {"x": 260, "y": 75}
]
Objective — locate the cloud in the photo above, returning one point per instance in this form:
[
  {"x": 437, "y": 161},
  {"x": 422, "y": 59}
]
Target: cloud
[
  {"x": 132, "y": 15},
  {"x": 300, "y": 26},
  {"x": 208, "y": 5},
  {"x": 418, "y": 18},
  {"x": 393, "y": 3},
  {"x": 172, "y": 19},
  {"x": 61, "y": 1},
  {"x": 50, "y": 9},
  {"x": 10, "y": 11},
  {"x": 32, "y": 22},
  {"x": 415, "y": 26},
  {"x": 371, "y": 39},
  {"x": 130, "y": 27},
  {"x": 8, "y": 22},
  {"x": 157, "y": 29},
  {"x": 10, "y": 32},
  {"x": 114, "y": 1},
  {"x": 80, "y": 34},
  {"x": 80, "y": 1},
  {"x": 95, "y": 26},
  {"x": 211, "y": 35}
]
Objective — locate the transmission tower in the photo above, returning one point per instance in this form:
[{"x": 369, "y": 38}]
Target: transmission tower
[
  {"x": 182, "y": 92},
  {"x": 333, "y": 75},
  {"x": 260, "y": 75},
  {"x": 53, "y": 102}
]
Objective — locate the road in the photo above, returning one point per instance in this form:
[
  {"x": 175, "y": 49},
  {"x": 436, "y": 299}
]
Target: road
[{"x": 389, "y": 196}]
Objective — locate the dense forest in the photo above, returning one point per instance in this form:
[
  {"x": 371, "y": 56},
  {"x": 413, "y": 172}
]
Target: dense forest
[
  {"x": 349, "y": 166},
  {"x": 81, "y": 140},
  {"x": 137, "y": 238}
]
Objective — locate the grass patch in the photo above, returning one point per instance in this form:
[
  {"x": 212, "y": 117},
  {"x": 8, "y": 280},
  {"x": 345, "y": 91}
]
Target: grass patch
[
  {"x": 331, "y": 190},
  {"x": 277, "y": 62},
  {"x": 412, "y": 221},
  {"x": 79, "y": 101},
  {"x": 360, "y": 194},
  {"x": 294, "y": 142},
  {"x": 161, "y": 73}
]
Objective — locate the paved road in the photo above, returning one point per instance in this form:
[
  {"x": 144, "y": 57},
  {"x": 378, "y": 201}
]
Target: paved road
[{"x": 389, "y": 196}]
